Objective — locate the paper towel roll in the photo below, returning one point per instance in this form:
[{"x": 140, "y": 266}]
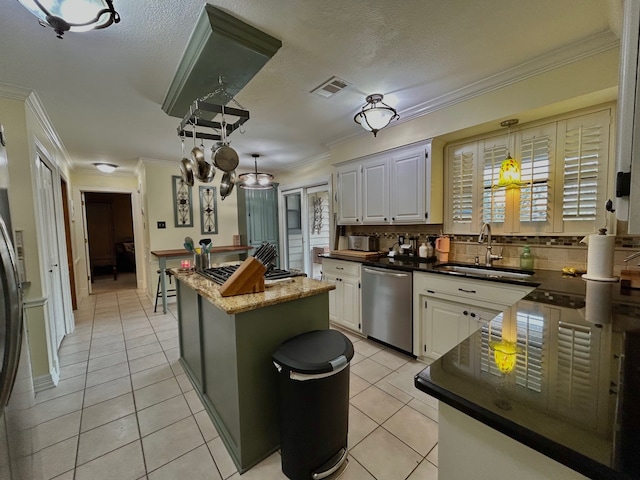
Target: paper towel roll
[
  {"x": 600, "y": 257},
  {"x": 598, "y": 308}
]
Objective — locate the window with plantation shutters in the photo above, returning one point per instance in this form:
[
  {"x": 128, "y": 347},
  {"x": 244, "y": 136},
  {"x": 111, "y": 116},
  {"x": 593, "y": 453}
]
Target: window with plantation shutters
[
  {"x": 535, "y": 172},
  {"x": 491, "y": 332},
  {"x": 462, "y": 165},
  {"x": 494, "y": 199},
  {"x": 583, "y": 148},
  {"x": 530, "y": 327}
]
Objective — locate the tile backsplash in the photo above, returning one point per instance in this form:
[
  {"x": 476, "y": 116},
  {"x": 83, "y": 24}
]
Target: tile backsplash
[{"x": 550, "y": 252}]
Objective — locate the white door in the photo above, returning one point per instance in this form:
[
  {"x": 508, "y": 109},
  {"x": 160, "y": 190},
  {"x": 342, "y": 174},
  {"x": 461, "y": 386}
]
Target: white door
[
  {"x": 294, "y": 230},
  {"x": 51, "y": 256}
]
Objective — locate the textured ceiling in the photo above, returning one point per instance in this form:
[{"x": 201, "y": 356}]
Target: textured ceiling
[{"x": 103, "y": 89}]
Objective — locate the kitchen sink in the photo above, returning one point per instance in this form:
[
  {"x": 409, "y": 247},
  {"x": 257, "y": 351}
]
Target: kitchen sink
[{"x": 484, "y": 271}]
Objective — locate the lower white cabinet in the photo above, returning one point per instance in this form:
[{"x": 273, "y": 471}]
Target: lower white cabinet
[
  {"x": 345, "y": 300},
  {"x": 445, "y": 324}
]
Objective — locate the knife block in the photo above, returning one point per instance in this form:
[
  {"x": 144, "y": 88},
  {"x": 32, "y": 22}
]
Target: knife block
[{"x": 248, "y": 278}]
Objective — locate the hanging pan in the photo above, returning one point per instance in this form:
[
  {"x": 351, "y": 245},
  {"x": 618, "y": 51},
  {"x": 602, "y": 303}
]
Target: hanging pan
[
  {"x": 227, "y": 183},
  {"x": 186, "y": 168},
  {"x": 225, "y": 158}
]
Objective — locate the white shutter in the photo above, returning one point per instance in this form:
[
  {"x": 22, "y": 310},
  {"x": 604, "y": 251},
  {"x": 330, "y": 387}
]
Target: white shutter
[
  {"x": 494, "y": 200},
  {"x": 535, "y": 171},
  {"x": 585, "y": 159},
  {"x": 491, "y": 332},
  {"x": 530, "y": 338},
  {"x": 462, "y": 166}
]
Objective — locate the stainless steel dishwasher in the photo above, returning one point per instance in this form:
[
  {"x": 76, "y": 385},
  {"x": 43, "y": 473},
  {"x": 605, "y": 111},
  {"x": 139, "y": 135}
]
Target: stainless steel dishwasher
[{"x": 387, "y": 306}]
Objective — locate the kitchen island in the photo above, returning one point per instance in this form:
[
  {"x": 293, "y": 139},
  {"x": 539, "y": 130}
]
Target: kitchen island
[{"x": 226, "y": 344}]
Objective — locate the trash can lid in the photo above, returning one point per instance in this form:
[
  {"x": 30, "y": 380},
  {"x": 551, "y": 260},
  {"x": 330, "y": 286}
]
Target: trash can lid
[{"x": 312, "y": 352}]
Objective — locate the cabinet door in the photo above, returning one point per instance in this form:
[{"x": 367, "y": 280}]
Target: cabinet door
[
  {"x": 351, "y": 302},
  {"x": 375, "y": 188},
  {"x": 333, "y": 296},
  {"x": 445, "y": 326},
  {"x": 407, "y": 187},
  {"x": 349, "y": 195}
]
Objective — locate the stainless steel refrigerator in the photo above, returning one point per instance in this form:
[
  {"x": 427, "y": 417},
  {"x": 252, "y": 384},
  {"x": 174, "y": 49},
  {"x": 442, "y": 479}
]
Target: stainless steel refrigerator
[{"x": 16, "y": 385}]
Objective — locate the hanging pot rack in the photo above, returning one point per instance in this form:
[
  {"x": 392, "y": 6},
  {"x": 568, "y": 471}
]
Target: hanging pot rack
[{"x": 202, "y": 115}]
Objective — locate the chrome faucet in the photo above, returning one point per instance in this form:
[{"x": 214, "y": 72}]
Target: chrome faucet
[{"x": 489, "y": 257}]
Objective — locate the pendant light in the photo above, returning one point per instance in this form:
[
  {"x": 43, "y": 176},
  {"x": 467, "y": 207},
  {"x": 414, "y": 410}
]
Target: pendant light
[
  {"x": 509, "y": 169},
  {"x": 73, "y": 15},
  {"x": 255, "y": 180},
  {"x": 375, "y": 114}
]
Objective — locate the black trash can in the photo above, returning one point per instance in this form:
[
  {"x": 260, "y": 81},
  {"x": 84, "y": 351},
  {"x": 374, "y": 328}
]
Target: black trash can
[{"x": 313, "y": 388}]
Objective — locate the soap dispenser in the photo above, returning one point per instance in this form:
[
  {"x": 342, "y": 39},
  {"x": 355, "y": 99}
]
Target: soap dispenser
[
  {"x": 526, "y": 259},
  {"x": 423, "y": 251}
]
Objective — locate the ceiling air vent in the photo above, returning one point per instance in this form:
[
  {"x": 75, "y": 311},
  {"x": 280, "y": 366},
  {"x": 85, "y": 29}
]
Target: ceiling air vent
[{"x": 329, "y": 88}]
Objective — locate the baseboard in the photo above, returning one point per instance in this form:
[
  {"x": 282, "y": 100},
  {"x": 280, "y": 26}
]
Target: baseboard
[{"x": 43, "y": 382}]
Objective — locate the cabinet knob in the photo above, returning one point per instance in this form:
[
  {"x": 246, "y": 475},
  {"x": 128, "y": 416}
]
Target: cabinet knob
[
  {"x": 473, "y": 315},
  {"x": 465, "y": 312},
  {"x": 393, "y": 218},
  {"x": 385, "y": 219}
]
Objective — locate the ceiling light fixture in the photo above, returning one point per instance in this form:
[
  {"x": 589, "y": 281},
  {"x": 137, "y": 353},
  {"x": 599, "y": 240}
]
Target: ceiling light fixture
[
  {"x": 256, "y": 180},
  {"x": 375, "y": 114},
  {"x": 106, "y": 167},
  {"x": 73, "y": 15},
  {"x": 509, "y": 169}
]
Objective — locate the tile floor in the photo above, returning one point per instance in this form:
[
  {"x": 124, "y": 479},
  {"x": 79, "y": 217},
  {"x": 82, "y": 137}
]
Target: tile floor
[{"x": 125, "y": 409}]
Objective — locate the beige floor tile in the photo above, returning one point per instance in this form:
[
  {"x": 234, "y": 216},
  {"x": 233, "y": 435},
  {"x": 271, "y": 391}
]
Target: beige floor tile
[
  {"x": 56, "y": 430},
  {"x": 144, "y": 363},
  {"x": 386, "y": 457},
  {"x": 423, "y": 408},
  {"x": 156, "y": 393},
  {"x": 106, "y": 361},
  {"x": 76, "y": 338},
  {"x": 171, "y": 442},
  {"x": 125, "y": 463},
  {"x": 73, "y": 370},
  {"x": 74, "y": 358},
  {"x": 165, "y": 334},
  {"x": 102, "y": 340},
  {"x": 366, "y": 347},
  {"x": 184, "y": 382},
  {"x": 355, "y": 471},
  {"x": 433, "y": 456},
  {"x": 376, "y": 404},
  {"x": 162, "y": 414},
  {"x": 144, "y": 350},
  {"x": 194, "y": 401},
  {"x": 395, "y": 392},
  {"x": 359, "y": 426},
  {"x": 107, "y": 438},
  {"x": 140, "y": 332},
  {"x": 371, "y": 371},
  {"x": 141, "y": 341},
  {"x": 414, "y": 429},
  {"x": 207, "y": 428},
  {"x": 173, "y": 354},
  {"x": 105, "y": 350},
  {"x": 107, "y": 374},
  {"x": 65, "y": 476},
  {"x": 197, "y": 464},
  {"x": 152, "y": 375},
  {"x": 73, "y": 348},
  {"x": 58, "y": 458},
  {"x": 108, "y": 411},
  {"x": 106, "y": 391},
  {"x": 357, "y": 358},
  {"x": 424, "y": 471},
  {"x": 269, "y": 469},
  {"x": 57, "y": 407},
  {"x": 404, "y": 382},
  {"x": 64, "y": 387},
  {"x": 390, "y": 358},
  {"x": 223, "y": 460},
  {"x": 170, "y": 343}
]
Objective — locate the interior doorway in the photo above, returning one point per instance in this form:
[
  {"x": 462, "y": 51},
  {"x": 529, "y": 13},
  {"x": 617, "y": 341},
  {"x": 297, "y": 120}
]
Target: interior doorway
[
  {"x": 110, "y": 241},
  {"x": 67, "y": 232}
]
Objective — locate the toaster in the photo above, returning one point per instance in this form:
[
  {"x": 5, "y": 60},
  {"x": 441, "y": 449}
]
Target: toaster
[{"x": 364, "y": 243}]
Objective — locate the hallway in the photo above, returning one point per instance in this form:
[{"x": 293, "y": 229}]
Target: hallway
[{"x": 125, "y": 409}]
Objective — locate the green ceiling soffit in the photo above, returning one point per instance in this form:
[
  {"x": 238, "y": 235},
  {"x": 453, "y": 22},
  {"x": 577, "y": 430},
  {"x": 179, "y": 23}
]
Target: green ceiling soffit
[{"x": 220, "y": 45}]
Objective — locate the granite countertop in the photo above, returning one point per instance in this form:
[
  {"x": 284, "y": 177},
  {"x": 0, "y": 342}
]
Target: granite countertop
[{"x": 299, "y": 287}]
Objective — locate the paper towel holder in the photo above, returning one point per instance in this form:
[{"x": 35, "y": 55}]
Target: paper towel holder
[{"x": 623, "y": 184}]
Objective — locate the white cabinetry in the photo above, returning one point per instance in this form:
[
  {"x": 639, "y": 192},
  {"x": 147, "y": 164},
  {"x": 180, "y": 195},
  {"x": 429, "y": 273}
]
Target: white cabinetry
[
  {"x": 400, "y": 186},
  {"x": 449, "y": 309},
  {"x": 345, "y": 300}
]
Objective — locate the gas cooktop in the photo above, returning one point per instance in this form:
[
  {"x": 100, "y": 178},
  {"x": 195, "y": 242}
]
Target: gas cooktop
[{"x": 221, "y": 274}]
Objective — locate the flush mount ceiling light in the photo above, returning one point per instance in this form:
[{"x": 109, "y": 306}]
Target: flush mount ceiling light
[
  {"x": 509, "y": 169},
  {"x": 73, "y": 15},
  {"x": 256, "y": 180},
  {"x": 375, "y": 114},
  {"x": 106, "y": 167}
]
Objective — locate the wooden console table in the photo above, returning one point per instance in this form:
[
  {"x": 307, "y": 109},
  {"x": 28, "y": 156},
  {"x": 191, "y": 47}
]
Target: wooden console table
[{"x": 163, "y": 255}]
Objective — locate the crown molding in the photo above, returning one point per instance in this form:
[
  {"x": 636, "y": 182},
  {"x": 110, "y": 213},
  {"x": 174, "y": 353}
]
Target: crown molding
[
  {"x": 33, "y": 103},
  {"x": 291, "y": 166},
  {"x": 561, "y": 57},
  {"x": 155, "y": 161},
  {"x": 13, "y": 92}
]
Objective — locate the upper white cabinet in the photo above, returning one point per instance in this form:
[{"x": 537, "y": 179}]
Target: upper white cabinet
[{"x": 400, "y": 186}]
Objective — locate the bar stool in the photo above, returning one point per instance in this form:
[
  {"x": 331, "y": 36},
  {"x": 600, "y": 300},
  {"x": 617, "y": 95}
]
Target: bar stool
[{"x": 171, "y": 292}]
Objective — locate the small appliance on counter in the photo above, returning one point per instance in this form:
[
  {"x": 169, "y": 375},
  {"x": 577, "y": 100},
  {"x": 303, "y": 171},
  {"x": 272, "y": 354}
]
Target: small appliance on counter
[{"x": 364, "y": 243}]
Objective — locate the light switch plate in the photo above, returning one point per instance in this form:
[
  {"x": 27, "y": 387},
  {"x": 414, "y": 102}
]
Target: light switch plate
[{"x": 162, "y": 224}]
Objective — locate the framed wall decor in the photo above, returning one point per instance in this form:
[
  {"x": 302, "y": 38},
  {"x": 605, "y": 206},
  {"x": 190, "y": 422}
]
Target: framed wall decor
[
  {"x": 182, "y": 207},
  {"x": 208, "y": 210}
]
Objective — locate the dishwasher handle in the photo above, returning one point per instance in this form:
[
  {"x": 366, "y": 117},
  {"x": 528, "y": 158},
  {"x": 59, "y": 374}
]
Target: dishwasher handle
[{"x": 386, "y": 274}]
